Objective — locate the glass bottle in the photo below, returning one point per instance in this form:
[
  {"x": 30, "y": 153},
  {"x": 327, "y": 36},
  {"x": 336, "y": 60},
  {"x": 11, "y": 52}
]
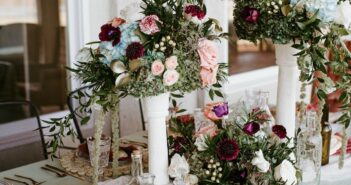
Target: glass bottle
[
  {"x": 136, "y": 166},
  {"x": 258, "y": 103},
  {"x": 309, "y": 150},
  {"x": 326, "y": 132}
]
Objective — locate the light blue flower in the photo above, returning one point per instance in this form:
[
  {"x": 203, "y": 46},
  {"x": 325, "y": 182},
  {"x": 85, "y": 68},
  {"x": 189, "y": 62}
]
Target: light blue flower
[
  {"x": 127, "y": 37},
  {"x": 326, "y": 8}
]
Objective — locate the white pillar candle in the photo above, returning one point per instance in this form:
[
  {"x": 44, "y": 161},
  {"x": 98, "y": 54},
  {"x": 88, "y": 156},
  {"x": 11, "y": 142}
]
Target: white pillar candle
[{"x": 287, "y": 84}]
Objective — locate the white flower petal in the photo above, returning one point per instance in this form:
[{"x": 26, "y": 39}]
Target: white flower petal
[
  {"x": 118, "y": 67},
  {"x": 286, "y": 172},
  {"x": 84, "y": 55},
  {"x": 260, "y": 162},
  {"x": 121, "y": 78},
  {"x": 178, "y": 167},
  {"x": 343, "y": 14},
  {"x": 200, "y": 143}
]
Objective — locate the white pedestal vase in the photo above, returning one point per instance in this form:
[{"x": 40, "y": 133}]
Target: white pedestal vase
[
  {"x": 287, "y": 85},
  {"x": 156, "y": 113}
]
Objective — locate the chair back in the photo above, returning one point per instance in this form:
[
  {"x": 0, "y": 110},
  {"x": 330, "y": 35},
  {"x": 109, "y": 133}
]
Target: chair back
[
  {"x": 7, "y": 81},
  {"x": 21, "y": 135}
]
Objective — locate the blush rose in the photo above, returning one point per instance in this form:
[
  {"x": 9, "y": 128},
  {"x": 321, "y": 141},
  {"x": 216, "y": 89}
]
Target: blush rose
[
  {"x": 170, "y": 77},
  {"x": 209, "y": 76},
  {"x": 157, "y": 68},
  {"x": 171, "y": 63},
  {"x": 208, "y": 53}
]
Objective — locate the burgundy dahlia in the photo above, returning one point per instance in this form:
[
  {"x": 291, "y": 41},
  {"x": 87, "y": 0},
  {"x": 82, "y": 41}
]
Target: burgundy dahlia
[
  {"x": 195, "y": 11},
  {"x": 135, "y": 50},
  {"x": 251, "y": 128},
  {"x": 221, "y": 110},
  {"x": 251, "y": 15},
  {"x": 279, "y": 130},
  {"x": 179, "y": 144},
  {"x": 227, "y": 149},
  {"x": 110, "y": 33}
]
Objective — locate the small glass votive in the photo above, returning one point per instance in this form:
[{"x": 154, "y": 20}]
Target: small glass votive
[
  {"x": 146, "y": 179},
  {"x": 105, "y": 147}
]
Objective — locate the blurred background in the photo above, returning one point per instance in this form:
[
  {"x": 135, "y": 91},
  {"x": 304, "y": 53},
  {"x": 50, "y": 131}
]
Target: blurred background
[{"x": 33, "y": 52}]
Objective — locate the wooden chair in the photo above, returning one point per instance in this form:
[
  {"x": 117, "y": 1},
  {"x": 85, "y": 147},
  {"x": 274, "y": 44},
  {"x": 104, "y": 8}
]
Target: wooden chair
[{"x": 21, "y": 134}]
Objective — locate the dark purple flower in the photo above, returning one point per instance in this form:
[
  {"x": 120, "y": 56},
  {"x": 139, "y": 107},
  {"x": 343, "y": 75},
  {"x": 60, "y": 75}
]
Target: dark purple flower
[
  {"x": 279, "y": 130},
  {"x": 227, "y": 149},
  {"x": 251, "y": 15},
  {"x": 135, "y": 50},
  {"x": 179, "y": 144},
  {"x": 251, "y": 128},
  {"x": 221, "y": 110},
  {"x": 110, "y": 33},
  {"x": 239, "y": 176},
  {"x": 195, "y": 11}
]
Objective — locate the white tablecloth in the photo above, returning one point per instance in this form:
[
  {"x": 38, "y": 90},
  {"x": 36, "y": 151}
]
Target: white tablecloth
[
  {"x": 332, "y": 175},
  {"x": 22, "y": 132}
]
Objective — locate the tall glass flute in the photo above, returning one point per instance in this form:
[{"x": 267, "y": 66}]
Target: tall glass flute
[{"x": 309, "y": 150}]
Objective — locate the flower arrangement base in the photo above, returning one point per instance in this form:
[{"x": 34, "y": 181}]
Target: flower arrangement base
[
  {"x": 156, "y": 113},
  {"x": 287, "y": 85}
]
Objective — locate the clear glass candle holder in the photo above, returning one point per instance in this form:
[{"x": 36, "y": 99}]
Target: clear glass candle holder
[
  {"x": 105, "y": 147},
  {"x": 146, "y": 179}
]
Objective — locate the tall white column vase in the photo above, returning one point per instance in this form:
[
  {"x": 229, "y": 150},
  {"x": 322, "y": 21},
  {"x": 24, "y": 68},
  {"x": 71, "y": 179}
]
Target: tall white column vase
[
  {"x": 156, "y": 113},
  {"x": 287, "y": 84}
]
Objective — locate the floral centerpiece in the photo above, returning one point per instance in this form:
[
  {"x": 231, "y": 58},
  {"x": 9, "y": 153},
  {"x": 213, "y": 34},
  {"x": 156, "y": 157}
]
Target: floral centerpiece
[
  {"x": 313, "y": 27},
  {"x": 171, "y": 49},
  {"x": 242, "y": 151}
]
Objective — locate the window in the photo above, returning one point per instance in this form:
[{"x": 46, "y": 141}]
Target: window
[{"x": 33, "y": 53}]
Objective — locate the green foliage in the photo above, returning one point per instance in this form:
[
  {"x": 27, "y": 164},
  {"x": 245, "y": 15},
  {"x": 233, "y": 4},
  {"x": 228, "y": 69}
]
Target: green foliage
[
  {"x": 58, "y": 128},
  {"x": 275, "y": 151},
  {"x": 312, "y": 37}
]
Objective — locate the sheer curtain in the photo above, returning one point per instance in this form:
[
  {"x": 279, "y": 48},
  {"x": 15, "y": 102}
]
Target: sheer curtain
[{"x": 18, "y": 11}]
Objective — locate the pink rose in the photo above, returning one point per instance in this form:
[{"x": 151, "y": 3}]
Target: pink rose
[
  {"x": 157, "y": 68},
  {"x": 171, "y": 62},
  {"x": 208, "y": 53},
  {"x": 148, "y": 25},
  {"x": 115, "y": 22},
  {"x": 209, "y": 130},
  {"x": 170, "y": 77},
  {"x": 209, "y": 76}
]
